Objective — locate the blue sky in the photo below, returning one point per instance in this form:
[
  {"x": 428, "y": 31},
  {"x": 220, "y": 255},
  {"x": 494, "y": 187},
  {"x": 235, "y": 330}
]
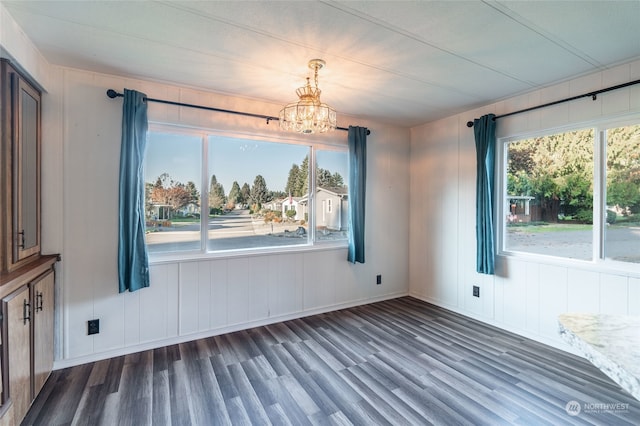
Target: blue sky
[{"x": 231, "y": 159}]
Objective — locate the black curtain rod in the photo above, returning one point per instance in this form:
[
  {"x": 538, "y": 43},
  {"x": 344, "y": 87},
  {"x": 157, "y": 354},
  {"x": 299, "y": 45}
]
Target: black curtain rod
[
  {"x": 592, "y": 95},
  {"x": 113, "y": 94}
]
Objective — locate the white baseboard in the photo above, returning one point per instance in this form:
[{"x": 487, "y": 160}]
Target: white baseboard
[{"x": 65, "y": 363}]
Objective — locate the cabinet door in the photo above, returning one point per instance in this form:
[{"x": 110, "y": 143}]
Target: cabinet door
[
  {"x": 17, "y": 311},
  {"x": 42, "y": 291},
  {"x": 26, "y": 175}
]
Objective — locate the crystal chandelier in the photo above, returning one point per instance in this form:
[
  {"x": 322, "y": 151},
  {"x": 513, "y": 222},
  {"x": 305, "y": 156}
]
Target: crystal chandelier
[{"x": 308, "y": 115}]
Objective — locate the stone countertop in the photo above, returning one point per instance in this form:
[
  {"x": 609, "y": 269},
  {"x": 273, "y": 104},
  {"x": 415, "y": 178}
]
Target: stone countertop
[{"x": 610, "y": 342}]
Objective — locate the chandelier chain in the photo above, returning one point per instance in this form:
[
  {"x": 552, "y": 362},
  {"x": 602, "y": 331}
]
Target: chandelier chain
[{"x": 316, "y": 76}]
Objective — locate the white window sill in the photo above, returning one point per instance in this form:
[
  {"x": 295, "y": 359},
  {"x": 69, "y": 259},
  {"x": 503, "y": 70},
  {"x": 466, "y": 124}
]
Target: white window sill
[{"x": 160, "y": 258}]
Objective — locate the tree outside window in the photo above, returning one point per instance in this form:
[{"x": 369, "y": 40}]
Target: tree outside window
[{"x": 548, "y": 205}]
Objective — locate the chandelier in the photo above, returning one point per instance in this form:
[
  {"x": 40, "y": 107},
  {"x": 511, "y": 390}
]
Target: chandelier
[{"x": 308, "y": 115}]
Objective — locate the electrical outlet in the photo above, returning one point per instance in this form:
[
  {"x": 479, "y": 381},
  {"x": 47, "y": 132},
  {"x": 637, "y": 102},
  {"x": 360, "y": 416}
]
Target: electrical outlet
[
  {"x": 378, "y": 279},
  {"x": 93, "y": 326},
  {"x": 476, "y": 291}
]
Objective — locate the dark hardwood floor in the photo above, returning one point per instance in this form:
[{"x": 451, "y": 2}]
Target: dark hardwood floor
[{"x": 399, "y": 362}]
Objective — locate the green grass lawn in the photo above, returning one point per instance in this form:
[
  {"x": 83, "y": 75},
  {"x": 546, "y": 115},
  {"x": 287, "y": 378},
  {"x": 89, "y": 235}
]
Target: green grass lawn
[{"x": 539, "y": 227}]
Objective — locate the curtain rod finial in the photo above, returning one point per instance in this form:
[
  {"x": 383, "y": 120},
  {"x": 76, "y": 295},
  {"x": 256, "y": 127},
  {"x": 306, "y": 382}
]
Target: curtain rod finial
[
  {"x": 112, "y": 93},
  {"x": 469, "y": 123}
]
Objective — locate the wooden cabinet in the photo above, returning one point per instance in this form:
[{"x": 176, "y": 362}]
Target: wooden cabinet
[
  {"x": 27, "y": 313},
  {"x": 17, "y": 311},
  {"x": 42, "y": 298},
  {"x": 26, "y": 276},
  {"x": 20, "y": 179}
]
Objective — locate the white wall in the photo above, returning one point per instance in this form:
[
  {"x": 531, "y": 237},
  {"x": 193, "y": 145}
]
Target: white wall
[
  {"x": 524, "y": 296},
  {"x": 190, "y": 299},
  {"x": 15, "y": 45}
]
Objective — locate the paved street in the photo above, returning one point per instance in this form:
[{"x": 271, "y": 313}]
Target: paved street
[
  {"x": 233, "y": 230},
  {"x": 621, "y": 243}
]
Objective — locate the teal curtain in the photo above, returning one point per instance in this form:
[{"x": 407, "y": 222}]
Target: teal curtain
[
  {"x": 133, "y": 261},
  {"x": 485, "y": 133},
  {"x": 357, "y": 190}
]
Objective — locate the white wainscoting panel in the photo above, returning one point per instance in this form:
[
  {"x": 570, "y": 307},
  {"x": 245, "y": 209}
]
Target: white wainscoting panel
[
  {"x": 634, "y": 296},
  {"x": 158, "y": 309},
  {"x": 238, "y": 288},
  {"x": 261, "y": 277},
  {"x": 583, "y": 291},
  {"x": 614, "y": 293},
  {"x": 188, "y": 296},
  {"x": 285, "y": 292},
  {"x": 514, "y": 288},
  {"x": 221, "y": 278}
]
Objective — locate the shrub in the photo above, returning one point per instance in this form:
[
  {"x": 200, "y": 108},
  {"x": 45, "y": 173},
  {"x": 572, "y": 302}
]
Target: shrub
[
  {"x": 254, "y": 208},
  {"x": 272, "y": 215},
  {"x": 584, "y": 216},
  {"x": 291, "y": 214},
  {"x": 268, "y": 216},
  {"x": 611, "y": 217}
]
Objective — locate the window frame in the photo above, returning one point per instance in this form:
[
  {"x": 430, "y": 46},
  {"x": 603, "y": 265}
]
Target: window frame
[
  {"x": 314, "y": 145},
  {"x": 598, "y": 260}
]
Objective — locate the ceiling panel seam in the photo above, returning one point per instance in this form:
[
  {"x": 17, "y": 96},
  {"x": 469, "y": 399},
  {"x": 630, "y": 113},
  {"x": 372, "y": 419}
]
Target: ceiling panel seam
[
  {"x": 419, "y": 39},
  {"x": 503, "y": 9}
]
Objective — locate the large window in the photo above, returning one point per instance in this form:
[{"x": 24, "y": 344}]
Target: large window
[
  {"x": 573, "y": 194},
  {"x": 172, "y": 196},
  {"x": 331, "y": 195},
  {"x": 211, "y": 193},
  {"x": 247, "y": 192},
  {"x": 622, "y": 230}
]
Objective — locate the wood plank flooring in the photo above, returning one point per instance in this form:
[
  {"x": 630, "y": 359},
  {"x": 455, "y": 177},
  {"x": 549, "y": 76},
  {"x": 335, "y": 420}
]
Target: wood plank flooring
[{"x": 398, "y": 362}]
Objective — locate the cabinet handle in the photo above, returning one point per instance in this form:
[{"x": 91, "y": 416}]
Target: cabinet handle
[
  {"x": 21, "y": 233},
  {"x": 26, "y": 312},
  {"x": 39, "y": 301}
]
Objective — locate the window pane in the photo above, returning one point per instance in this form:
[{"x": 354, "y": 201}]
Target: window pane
[
  {"x": 622, "y": 233},
  {"x": 257, "y": 194},
  {"x": 172, "y": 198},
  {"x": 549, "y": 201},
  {"x": 331, "y": 195}
]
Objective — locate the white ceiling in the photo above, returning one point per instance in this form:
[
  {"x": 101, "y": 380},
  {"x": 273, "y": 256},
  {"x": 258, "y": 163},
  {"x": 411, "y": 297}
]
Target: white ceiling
[{"x": 404, "y": 63}]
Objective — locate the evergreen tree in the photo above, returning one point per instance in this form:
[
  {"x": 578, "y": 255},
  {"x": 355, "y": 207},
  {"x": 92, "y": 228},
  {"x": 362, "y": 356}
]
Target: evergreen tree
[
  {"x": 323, "y": 178},
  {"x": 337, "y": 180},
  {"x": 245, "y": 194},
  {"x": 292, "y": 180},
  {"x": 259, "y": 191},
  {"x": 302, "y": 183},
  {"x": 217, "y": 199},
  {"x": 194, "y": 194},
  {"x": 234, "y": 194}
]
